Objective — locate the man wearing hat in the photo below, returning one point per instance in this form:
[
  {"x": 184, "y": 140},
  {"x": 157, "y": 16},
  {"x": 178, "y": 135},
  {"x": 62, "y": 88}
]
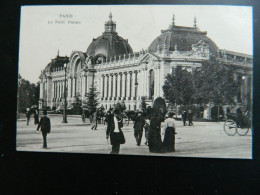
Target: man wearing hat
[
  {"x": 114, "y": 130},
  {"x": 45, "y": 125},
  {"x": 139, "y": 123}
]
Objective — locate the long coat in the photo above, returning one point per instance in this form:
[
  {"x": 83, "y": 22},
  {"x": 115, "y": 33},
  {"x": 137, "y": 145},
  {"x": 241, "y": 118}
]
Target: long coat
[
  {"x": 139, "y": 123},
  {"x": 111, "y": 127},
  {"x": 45, "y": 125}
]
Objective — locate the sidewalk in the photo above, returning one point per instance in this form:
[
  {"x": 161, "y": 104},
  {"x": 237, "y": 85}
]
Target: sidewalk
[{"x": 205, "y": 139}]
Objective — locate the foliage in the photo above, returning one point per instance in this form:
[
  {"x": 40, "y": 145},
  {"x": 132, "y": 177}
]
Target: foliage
[
  {"x": 216, "y": 84},
  {"x": 92, "y": 99},
  {"x": 121, "y": 106},
  {"x": 76, "y": 105},
  {"x": 28, "y": 94},
  {"x": 213, "y": 82},
  {"x": 178, "y": 87}
]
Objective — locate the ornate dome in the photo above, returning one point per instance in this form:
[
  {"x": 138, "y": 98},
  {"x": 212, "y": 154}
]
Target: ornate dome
[
  {"x": 109, "y": 44},
  {"x": 182, "y": 38}
]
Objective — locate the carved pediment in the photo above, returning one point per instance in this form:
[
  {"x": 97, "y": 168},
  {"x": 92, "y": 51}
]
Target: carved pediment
[{"x": 149, "y": 57}]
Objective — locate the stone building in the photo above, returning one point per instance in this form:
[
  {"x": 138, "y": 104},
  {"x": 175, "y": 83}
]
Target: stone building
[{"x": 119, "y": 74}]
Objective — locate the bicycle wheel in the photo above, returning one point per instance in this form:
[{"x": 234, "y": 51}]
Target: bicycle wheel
[
  {"x": 230, "y": 127},
  {"x": 242, "y": 131}
]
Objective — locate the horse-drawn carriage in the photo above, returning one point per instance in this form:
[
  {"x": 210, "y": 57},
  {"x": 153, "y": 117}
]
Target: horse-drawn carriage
[
  {"x": 128, "y": 115},
  {"x": 237, "y": 123}
]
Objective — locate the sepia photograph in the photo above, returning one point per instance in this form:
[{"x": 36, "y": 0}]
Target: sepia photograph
[{"x": 149, "y": 80}]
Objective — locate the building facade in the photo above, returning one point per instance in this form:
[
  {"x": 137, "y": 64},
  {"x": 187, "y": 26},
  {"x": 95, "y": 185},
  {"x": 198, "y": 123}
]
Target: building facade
[{"x": 119, "y": 74}]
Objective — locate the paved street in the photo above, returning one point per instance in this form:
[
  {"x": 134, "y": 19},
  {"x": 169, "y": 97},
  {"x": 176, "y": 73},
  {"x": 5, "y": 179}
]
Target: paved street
[{"x": 204, "y": 139}]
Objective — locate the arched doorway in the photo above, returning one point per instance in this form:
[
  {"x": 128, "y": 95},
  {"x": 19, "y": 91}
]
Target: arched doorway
[
  {"x": 151, "y": 84},
  {"x": 216, "y": 112}
]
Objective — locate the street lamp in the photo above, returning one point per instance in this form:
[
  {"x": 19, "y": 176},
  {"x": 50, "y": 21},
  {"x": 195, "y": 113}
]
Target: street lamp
[
  {"x": 136, "y": 85},
  {"x": 65, "y": 97}
]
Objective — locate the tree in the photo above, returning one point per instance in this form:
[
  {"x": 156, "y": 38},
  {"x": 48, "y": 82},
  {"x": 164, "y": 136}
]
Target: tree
[
  {"x": 92, "y": 99},
  {"x": 178, "y": 87},
  {"x": 213, "y": 82},
  {"x": 28, "y": 94},
  {"x": 76, "y": 105},
  {"x": 217, "y": 83}
]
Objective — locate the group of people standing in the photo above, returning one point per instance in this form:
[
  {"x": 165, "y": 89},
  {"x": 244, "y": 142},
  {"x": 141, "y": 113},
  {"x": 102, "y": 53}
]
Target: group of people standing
[
  {"x": 152, "y": 129},
  {"x": 142, "y": 121},
  {"x": 28, "y": 114},
  {"x": 187, "y": 116}
]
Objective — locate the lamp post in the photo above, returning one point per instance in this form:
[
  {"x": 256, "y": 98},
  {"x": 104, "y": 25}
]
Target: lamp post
[{"x": 65, "y": 97}]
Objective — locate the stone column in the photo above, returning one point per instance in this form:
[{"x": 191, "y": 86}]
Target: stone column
[
  {"x": 83, "y": 87},
  {"x": 128, "y": 85},
  {"x": 62, "y": 88},
  {"x": 135, "y": 84},
  {"x": 140, "y": 80},
  {"x": 105, "y": 87},
  {"x": 156, "y": 81},
  {"x": 109, "y": 86},
  {"x": 58, "y": 89},
  {"x": 120, "y": 85},
  {"x": 102, "y": 84},
  {"x": 41, "y": 89},
  {"x": 131, "y": 84},
  {"x": 52, "y": 93},
  {"x": 123, "y": 84},
  {"x": 146, "y": 83},
  {"x": 114, "y": 86},
  {"x": 69, "y": 87}
]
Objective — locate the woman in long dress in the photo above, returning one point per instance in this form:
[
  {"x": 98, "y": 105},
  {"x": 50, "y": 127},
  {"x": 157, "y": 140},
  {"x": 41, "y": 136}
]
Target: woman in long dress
[{"x": 169, "y": 135}]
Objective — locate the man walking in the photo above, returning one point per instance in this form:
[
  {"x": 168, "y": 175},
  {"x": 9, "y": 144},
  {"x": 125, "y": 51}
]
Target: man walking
[
  {"x": 45, "y": 125},
  {"x": 184, "y": 117},
  {"x": 114, "y": 130},
  {"x": 138, "y": 127},
  {"x": 95, "y": 121},
  {"x": 190, "y": 116},
  {"x": 28, "y": 115}
]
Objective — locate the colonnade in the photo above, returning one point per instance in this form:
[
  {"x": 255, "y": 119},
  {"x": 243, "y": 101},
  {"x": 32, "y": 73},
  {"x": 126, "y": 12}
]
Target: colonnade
[{"x": 120, "y": 86}]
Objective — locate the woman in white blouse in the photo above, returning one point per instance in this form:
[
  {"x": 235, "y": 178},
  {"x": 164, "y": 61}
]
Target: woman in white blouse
[{"x": 169, "y": 135}]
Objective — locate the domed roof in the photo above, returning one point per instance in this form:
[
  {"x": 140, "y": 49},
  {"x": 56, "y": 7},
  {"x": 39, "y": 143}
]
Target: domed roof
[
  {"x": 109, "y": 44},
  {"x": 182, "y": 38}
]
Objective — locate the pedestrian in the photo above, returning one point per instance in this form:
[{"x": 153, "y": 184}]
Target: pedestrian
[
  {"x": 114, "y": 130},
  {"x": 94, "y": 121},
  {"x": 83, "y": 116},
  {"x": 190, "y": 116},
  {"x": 28, "y": 115},
  {"x": 139, "y": 122},
  {"x": 184, "y": 117},
  {"x": 45, "y": 125},
  {"x": 169, "y": 134},
  {"x": 147, "y": 129},
  {"x": 36, "y": 117}
]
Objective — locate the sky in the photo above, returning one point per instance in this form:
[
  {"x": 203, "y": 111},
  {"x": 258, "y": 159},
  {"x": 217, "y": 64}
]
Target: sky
[{"x": 45, "y": 30}]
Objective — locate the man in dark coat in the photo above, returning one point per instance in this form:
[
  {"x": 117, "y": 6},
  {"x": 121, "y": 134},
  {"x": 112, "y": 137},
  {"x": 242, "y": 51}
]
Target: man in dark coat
[
  {"x": 45, "y": 125},
  {"x": 190, "y": 116},
  {"x": 95, "y": 121},
  {"x": 114, "y": 125},
  {"x": 139, "y": 123},
  {"x": 28, "y": 115},
  {"x": 36, "y": 117},
  {"x": 184, "y": 117}
]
